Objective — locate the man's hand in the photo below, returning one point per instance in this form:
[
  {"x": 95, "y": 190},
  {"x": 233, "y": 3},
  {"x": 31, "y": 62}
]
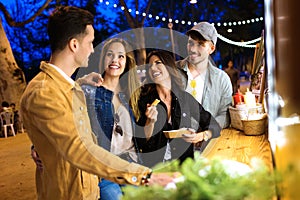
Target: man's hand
[
  {"x": 193, "y": 138},
  {"x": 36, "y": 159},
  {"x": 162, "y": 179},
  {"x": 93, "y": 79},
  {"x": 196, "y": 137}
]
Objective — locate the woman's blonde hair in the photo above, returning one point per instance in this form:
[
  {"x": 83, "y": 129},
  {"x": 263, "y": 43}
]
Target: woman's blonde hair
[{"x": 129, "y": 81}]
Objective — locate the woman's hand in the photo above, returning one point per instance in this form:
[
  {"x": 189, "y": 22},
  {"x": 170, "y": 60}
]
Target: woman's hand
[
  {"x": 93, "y": 79},
  {"x": 151, "y": 114}
]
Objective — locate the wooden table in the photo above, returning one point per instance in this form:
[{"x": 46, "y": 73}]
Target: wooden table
[{"x": 235, "y": 145}]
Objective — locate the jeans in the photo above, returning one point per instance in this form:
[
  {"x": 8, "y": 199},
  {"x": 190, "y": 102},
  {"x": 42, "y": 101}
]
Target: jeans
[{"x": 109, "y": 190}]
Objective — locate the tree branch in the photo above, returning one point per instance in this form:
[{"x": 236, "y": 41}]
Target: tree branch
[
  {"x": 12, "y": 22},
  {"x": 129, "y": 17},
  {"x": 146, "y": 11}
]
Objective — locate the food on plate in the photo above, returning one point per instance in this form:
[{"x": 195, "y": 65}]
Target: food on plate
[{"x": 177, "y": 133}]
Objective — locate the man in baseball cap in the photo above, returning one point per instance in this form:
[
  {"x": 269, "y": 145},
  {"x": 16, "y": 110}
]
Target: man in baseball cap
[{"x": 209, "y": 85}]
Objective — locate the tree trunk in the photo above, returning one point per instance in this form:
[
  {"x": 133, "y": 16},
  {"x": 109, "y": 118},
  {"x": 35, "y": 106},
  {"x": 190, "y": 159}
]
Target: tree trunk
[
  {"x": 12, "y": 79},
  {"x": 137, "y": 25},
  {"x": 140, "y": 46}
]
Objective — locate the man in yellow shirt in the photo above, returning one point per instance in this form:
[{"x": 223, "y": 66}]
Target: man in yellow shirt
[{"x": 55, "y": 115}]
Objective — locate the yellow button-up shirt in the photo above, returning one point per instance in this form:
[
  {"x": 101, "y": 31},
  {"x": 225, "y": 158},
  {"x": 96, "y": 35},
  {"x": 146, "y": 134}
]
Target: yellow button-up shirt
[{"x": 55, "y": 116}]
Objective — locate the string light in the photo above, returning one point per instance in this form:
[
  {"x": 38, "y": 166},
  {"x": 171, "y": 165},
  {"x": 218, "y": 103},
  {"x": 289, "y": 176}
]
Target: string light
[
  {"x": 241, "y": 44},
  {"x": 219, "y": 24},
  {"x": 233, "y": 23}
]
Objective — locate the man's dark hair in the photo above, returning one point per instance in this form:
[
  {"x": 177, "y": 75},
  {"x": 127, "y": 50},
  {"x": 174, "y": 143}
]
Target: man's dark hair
[
  {"x": 66, "y": 23},
  {"x": 5, "y": 104}
]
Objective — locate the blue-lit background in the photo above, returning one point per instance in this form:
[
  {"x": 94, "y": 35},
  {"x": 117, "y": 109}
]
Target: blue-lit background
[{"x": 30, "y": 42}]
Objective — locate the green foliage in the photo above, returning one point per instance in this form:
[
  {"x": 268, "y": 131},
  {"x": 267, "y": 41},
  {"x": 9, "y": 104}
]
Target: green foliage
[{"x": 209, "y": 180}]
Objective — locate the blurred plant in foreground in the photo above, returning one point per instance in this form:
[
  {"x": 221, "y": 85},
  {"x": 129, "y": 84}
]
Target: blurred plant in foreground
[{"x": 214, "y": 179}]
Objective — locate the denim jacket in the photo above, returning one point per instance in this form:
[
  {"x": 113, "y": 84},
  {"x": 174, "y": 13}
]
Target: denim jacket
[{"x": 101, "y": 113}]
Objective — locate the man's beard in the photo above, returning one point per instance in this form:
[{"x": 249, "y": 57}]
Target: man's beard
[{"x": 194, "y": 61}]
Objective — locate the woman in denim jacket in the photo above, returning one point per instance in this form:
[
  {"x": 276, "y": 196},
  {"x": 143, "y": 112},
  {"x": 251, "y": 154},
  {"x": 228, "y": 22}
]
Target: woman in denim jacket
[{"x": 109, "y": 107}]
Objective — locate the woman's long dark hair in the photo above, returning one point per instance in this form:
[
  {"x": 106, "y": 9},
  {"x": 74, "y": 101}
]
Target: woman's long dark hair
[{"x": 168, "y": 60}]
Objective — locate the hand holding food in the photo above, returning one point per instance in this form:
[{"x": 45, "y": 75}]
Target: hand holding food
[
  {"x": 196, "y": 137},
  {"x": 151, "y": 112},
  {"x": 183, "y": 132}
]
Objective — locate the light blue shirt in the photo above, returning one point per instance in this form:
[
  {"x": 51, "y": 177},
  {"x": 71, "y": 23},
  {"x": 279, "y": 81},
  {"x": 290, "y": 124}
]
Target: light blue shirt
[{"x": 217, "y": 93}]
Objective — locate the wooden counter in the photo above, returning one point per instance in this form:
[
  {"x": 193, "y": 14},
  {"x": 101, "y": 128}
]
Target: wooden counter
[{"x": 235, "y": 145}]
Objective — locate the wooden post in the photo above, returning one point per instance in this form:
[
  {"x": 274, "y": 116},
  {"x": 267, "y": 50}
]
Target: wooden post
[{"x": 284, "y": 136}]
